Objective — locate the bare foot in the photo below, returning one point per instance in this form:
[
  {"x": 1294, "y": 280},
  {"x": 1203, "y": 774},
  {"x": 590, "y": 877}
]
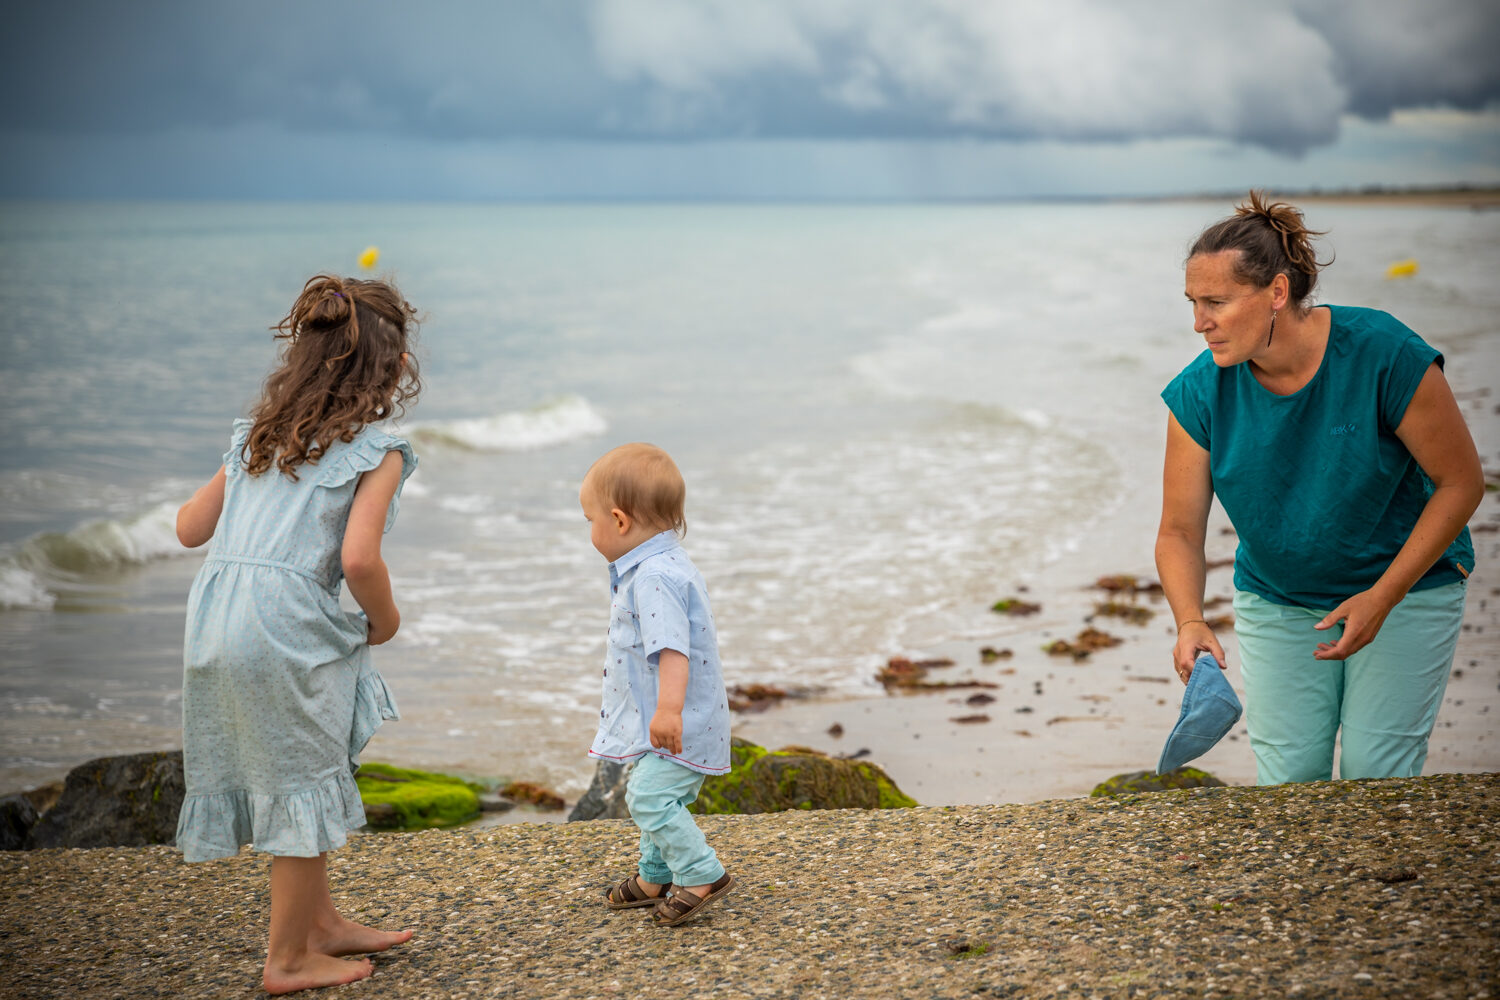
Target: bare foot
[
  {"x": 345, "y": 937},
  {"x": 313, "y": 971}
]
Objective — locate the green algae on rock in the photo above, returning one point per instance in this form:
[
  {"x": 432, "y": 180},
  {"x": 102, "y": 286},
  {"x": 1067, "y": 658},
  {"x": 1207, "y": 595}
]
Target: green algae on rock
[
  {"x": 398, "y": 798},
  {"x": 1137, "y": 782},
  {"x": 762, "y": 781}
]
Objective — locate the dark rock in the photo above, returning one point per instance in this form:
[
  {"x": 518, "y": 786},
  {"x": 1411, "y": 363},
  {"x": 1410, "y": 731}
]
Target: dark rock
[
  {"x": 494, "y": 804},
  {"x": 44, "y": 797},
  {"x": 17, "y": 817},
  {"x": 1137, "y": 782},
  {"x": 124, "y": 801},
  {"x": 605, "y": 798},
  {"x": 382, "y": 815},
  {"x": 761, "y": 781}
]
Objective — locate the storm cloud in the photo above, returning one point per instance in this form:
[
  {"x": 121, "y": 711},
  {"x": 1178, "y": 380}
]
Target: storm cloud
[{"x": 1280, "y": 76}]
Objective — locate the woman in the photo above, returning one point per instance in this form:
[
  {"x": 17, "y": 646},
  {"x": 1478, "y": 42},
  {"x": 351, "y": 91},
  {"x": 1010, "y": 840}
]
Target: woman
[{"x": 1338, "y": 451}]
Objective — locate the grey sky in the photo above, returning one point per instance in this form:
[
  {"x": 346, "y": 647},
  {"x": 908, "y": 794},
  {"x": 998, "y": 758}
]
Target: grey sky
[{"x": 743, "y": 98}]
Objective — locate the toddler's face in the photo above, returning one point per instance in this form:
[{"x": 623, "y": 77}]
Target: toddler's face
[{"x": 603, "y": 531}]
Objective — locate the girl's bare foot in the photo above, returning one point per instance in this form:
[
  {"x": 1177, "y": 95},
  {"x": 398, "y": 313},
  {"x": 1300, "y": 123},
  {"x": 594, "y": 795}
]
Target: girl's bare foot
[
  {"x": 311, "y": 971},
  {"x": 339, "y": 936}
]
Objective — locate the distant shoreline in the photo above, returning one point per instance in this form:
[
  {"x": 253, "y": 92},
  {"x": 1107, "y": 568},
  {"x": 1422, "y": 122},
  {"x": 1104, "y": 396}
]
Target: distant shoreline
[
  {"x": 1471, "y": 198},
  {"x": 1440, "y": 197}
]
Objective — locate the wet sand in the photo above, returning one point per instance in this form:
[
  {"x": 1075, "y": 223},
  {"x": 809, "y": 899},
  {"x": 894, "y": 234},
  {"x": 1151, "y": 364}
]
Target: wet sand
[{"x": 1058, "y": 727}]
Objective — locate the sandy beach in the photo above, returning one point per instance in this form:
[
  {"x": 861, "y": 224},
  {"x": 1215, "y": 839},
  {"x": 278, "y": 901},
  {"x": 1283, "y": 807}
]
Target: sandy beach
[{"x": 1058, "y": 727}]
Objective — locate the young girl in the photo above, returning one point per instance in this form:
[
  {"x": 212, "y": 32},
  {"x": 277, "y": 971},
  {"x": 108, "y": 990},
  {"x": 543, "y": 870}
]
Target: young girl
[{"x": 279, "y": 695}]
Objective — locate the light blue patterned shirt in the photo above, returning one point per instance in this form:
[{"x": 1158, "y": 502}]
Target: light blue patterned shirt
[{"x": 658, "y": 601}]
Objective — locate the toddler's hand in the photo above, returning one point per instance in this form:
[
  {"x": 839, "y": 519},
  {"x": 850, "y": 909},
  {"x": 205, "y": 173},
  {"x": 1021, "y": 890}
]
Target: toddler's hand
[{"x": 666, "y": 731}]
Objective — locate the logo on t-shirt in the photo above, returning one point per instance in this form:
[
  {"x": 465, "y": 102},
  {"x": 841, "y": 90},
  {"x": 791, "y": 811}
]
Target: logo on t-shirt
[{"x": 1339, "y": 430}]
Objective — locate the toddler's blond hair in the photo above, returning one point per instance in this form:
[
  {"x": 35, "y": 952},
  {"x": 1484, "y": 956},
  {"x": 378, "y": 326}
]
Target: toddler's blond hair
[{"x": 644, "y": 482}]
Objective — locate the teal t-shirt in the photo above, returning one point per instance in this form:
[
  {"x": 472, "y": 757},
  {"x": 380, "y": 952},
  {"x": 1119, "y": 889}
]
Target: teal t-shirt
[{"x": 1320, "y": 490}]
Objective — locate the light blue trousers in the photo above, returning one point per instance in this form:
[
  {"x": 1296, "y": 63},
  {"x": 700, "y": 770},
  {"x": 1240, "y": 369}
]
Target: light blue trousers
[
  {"x": 1385, "y": 697},
  {"x": 672, "y": 847}
]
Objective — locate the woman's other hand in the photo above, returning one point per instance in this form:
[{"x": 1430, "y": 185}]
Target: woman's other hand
[{"x": 1362, "y": 615}]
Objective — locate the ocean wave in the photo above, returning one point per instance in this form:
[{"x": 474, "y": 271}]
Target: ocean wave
[
  {"x": 555, "y": 422},
  {"x": 31, "y": 573}
]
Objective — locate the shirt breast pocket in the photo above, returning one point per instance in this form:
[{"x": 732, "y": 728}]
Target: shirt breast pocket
[{"x": 623, "y": 633}]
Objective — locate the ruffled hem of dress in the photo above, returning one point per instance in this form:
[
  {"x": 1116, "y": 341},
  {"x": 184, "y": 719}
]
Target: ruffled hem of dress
[
  {"x": 373, "y": 705},
  {"x": 299, "y": 824}
]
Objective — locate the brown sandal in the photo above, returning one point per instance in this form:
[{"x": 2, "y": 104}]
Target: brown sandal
[
  {"x": 629, "y": 894},
  {"x": 683, "y": 905}
]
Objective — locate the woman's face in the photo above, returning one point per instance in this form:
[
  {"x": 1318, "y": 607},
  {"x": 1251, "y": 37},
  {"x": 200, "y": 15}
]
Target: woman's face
[{"x": 1234, "y": 318}]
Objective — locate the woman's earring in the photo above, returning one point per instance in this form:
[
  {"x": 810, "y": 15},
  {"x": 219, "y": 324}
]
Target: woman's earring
[{"x": 1273, "y": 328}]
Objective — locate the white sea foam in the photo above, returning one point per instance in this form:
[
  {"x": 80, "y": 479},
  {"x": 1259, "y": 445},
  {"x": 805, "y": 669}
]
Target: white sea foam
[
  {"x": 20, "y": 588},
  {"x": 467, "y": 504},
  {"x": 566, "y": 418},
  {"x": 416, "y": 487},
  {"x": 31, "y": 573}
]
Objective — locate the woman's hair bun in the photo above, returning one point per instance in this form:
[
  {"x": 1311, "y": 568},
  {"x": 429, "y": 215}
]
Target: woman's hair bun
[
  {"x": 1268, "y": 238},
  {"x": 1287, "y": 221}
]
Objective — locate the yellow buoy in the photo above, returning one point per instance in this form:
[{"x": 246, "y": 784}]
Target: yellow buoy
[
  {"x": 1401, "y": 269},
  {"x": 371, "y": 256}
]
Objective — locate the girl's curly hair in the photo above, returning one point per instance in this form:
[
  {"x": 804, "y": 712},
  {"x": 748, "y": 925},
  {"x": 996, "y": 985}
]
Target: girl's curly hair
[{"x": 341, "y": 368}]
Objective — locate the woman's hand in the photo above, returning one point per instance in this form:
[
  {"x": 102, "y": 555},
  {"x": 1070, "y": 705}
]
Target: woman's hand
[
  {"x": 1192, "y": 639},
  {"x": 1362, "y": 615}
]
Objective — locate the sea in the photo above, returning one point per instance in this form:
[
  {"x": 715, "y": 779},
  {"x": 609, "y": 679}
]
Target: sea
[{"x": 887, "y": 416}]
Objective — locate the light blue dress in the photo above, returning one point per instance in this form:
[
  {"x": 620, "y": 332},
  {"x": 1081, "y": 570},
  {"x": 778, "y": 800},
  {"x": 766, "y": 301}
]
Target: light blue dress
[{"x": 279, "y": 695}]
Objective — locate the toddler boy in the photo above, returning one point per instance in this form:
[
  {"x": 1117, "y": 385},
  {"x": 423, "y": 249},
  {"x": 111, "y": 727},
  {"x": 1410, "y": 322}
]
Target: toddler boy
[{"x": 664, "y": 701}]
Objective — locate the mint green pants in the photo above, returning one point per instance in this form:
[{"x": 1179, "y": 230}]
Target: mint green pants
[
  {"x": 1384, "y": 698},
  {"x": 673, "y": 849}
]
